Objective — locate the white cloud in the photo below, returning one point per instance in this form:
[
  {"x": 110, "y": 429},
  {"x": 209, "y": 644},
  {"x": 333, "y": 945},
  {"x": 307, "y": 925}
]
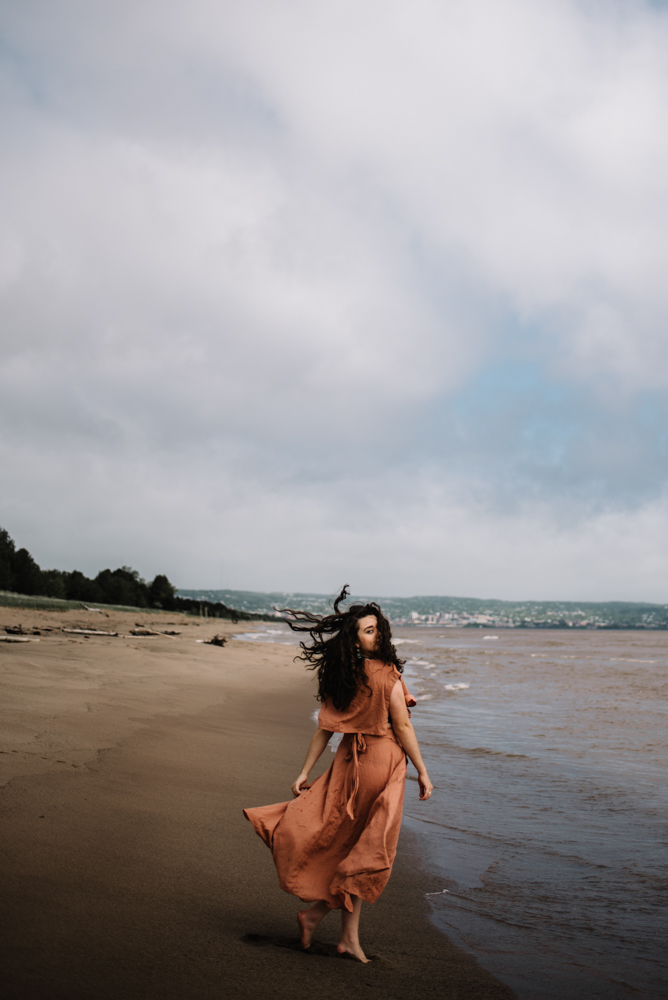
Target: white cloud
[{"x": 529, "y": 138}]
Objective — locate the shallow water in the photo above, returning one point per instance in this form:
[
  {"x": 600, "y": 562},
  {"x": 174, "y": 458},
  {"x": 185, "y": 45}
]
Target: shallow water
[{"x": 547, "y": 829}]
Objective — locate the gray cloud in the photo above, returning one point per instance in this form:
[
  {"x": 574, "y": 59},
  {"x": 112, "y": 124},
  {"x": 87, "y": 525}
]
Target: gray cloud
[{"x": 272, "y": 278}]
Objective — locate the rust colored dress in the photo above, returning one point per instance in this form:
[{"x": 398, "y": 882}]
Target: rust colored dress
[{"x": 339, "y": 838}]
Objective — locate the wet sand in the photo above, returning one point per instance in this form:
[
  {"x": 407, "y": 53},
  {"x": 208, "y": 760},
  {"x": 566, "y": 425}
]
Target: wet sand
[{"x": 127, "y": 868}]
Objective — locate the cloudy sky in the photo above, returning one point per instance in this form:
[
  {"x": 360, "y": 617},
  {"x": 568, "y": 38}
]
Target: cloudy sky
[{"x": 303, "y": 293}]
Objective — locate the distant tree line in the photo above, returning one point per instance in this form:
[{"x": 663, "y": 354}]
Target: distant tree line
[{"x": 19, "y": 573}]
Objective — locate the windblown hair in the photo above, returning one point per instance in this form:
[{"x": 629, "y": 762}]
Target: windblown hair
[{"x": 338, "y": 660}]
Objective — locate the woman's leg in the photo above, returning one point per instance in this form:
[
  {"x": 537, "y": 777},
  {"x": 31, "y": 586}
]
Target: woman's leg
[
  {"x": 350, "y": 925},
  {"x": 309, "y": 920}
]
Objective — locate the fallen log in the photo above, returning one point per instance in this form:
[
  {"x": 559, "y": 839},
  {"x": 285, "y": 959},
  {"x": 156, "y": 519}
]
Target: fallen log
[
  {"x": 88, "y": 631},
  {"x": 16, "y": 638},
  {"x": 151, "y": 631}
]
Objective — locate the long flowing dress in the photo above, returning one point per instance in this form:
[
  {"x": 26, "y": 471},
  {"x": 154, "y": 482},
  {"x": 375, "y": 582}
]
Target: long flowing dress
[{"x": 339, "y": 838}]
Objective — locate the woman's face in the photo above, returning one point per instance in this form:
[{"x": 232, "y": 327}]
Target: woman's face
[{"x": 367, "y": 634}]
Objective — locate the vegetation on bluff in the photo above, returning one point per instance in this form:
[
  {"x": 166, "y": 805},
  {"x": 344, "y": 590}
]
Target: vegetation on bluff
[{"x": 20, "y": 574}]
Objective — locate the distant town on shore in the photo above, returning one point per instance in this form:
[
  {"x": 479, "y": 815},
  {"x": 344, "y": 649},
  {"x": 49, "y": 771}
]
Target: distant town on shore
[{"x": 457, "y": 612}]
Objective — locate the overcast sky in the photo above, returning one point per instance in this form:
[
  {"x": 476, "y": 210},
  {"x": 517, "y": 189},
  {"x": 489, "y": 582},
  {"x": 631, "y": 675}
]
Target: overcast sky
[{"x": 302, "y": 293}]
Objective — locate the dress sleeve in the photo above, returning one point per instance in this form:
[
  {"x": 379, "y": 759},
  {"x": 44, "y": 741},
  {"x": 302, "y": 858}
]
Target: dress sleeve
[{"x": 326, "y": 718}]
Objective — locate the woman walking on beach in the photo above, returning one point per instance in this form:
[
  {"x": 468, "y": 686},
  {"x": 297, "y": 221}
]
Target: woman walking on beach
[{"x": 335, "y": 842}]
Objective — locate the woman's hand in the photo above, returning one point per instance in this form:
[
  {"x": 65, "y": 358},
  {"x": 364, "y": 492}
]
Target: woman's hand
[
  {"x": 298, "y": 786},
  {"x": 321, "y": 738},
  {"x": 426, "y": 787}
]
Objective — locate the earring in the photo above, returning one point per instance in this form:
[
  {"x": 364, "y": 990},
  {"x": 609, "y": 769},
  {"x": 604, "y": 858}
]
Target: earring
[{"x": 358, "y": 655}]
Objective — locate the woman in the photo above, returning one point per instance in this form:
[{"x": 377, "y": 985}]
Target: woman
[{"x": 334, "y": 844}]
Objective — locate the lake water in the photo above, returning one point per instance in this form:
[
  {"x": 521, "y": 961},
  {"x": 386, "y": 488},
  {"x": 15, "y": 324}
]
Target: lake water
[
  {"x": 548, "y": 828},
  {"x": 546, "y": 836}
]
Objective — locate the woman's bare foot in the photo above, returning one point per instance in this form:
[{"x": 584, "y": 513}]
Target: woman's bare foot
[
  {"x": 354, "y": 950},
  {"x": 309, "y": 920},
  {"x": 349, "y": 942}
]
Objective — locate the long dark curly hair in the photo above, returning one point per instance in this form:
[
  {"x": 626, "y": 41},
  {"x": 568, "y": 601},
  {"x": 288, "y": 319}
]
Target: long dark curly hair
[{"x": 338, "y": 660}]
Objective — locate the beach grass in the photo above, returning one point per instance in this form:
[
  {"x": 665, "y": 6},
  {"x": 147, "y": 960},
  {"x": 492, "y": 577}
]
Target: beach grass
[{"x": 12, "y": 600}]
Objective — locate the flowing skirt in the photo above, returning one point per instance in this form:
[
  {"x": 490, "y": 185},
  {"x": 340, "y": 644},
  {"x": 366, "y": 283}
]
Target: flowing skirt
[{"x": 340, "y": 837}]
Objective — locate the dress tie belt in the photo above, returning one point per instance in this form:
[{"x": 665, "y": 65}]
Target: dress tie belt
[{"x": 357, "y": 746}]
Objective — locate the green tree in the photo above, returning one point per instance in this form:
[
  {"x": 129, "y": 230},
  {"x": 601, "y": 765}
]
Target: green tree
[
  {"x": 79, "y": 588},
  {"x": 161, "y": 593},
  {"x": 123, "y": 586},
  {"x": 27, "y": 574},
  {"x": 54, "y": 583},
  {"x": 7, "y": 551}
]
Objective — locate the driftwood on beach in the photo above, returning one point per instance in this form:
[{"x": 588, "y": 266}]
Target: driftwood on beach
[
  {"x": 218, "y": 640},
  {"x": 88, "y": 631},
  {"x": 135, "y": 632},
  {"x": 14, "y": 631},
  {"x": 143, "y": 630}
]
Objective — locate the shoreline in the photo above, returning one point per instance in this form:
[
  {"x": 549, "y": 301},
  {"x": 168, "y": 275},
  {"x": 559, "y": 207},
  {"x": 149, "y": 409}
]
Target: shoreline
[{"x": 128, "y": 867}]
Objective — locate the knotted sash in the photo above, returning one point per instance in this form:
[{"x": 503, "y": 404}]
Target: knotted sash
[{"x": 356, "y": 744}]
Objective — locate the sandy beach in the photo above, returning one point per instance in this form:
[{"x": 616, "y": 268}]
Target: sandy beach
[{"x": 128, "y": 869}]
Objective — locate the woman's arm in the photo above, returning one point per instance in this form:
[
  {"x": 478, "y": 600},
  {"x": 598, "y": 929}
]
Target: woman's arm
[
  {"x": 321, "y": 738},
  {"x": 406, "y": 735}
]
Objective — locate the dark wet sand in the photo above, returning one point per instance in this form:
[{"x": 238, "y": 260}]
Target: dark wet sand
[{"x": 127, "y": 868}]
